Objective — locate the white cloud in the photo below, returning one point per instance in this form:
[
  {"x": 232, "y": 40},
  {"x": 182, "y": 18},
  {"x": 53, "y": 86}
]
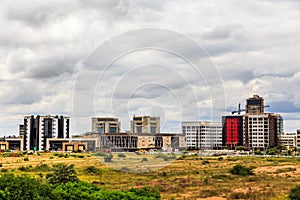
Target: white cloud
[{"x": 43, "y": 44}]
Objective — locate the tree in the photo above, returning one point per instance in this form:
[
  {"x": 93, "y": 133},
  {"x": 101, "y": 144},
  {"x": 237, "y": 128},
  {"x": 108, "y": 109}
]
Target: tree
[
  {"x": 24, "y": 188},
  {"x": 62, "y": 174}
]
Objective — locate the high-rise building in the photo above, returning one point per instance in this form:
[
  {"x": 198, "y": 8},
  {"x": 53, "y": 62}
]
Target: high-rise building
[
  {"x": 202, "y": 135},
  {"x": 262, "y": 130},
  {"x": 255, "y": 105},
  {"x": 145, "y": 124},
  {"x": 298, "y": 139},
  {"x": 232, "y": 131},
  {"x": 105, "y": 125},
  {"x": 38, "y": 129},
  {"x": 255, "y": 129}
]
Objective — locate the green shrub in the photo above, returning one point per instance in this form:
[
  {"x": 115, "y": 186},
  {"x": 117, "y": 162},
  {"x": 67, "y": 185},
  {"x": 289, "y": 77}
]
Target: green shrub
[
  {"x": 80, "y": 156},
  {"x": 26, "y": 159},
  {"x": 121, "y": 155},
  {"x": 4, "y": 170},
  {"x": 92, "y": 170},
  {"x": 62, "y": 173},
  {"x": 24, "y": 187},
  {"x": 42, "y": 168},
  {"x": 144, "y": 159},
  {"x": 1, "y": 165},
  {"x": 241, "y": 170},
  {"x": 51, "y": 157},
  {"x": 258, "y": 152},
  {"x": 295, "y": 193},
  {"x": 108, "y": 158},
  {"x": 100, "y": 153}
]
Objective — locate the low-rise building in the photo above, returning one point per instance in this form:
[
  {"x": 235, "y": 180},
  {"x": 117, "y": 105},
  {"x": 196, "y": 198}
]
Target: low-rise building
[{"x": 288, "y": 140}]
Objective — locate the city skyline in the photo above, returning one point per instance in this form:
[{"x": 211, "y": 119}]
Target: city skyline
[{"x": 44, "y": 46}]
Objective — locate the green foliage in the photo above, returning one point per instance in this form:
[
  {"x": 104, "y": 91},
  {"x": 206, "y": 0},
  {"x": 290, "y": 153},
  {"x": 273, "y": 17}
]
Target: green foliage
[
  {"x": 1, "y": 165},
  {"x": 26, "y": 159},
  {"x": 144, "y": 159},
  {"x": 38, "y": 168},
  {"x": 4, "y": 170},
  {"x": 258, "y": 152},
  {"x": 23, "y": 188},
  {"x": 92, "y": 170},
  {"x": 51, "y": 157},
  {"x": 100, "y": 153},
  {"x": 108, "y": 158},
  {"x": 62, "y": 173},
  {"x": 272, "y": 151},
  {"x": 121, "y": 155},
  {"x": 29, "y": 188},
  {"x": 82, "y": 190},
  {"x": 240, "y": 148},
  {"x": 295, "y": 193},
  {"x": 241, "y": 170}
]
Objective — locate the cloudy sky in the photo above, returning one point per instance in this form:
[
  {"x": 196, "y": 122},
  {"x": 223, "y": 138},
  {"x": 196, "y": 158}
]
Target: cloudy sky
[{"x": 181, "y": 60}]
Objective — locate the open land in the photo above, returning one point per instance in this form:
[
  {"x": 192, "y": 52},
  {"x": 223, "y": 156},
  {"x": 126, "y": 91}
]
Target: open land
[{"x": 175, "y": 176}]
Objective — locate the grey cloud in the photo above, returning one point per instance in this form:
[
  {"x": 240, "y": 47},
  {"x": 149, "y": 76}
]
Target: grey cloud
[{"x": 16, "y": 92}]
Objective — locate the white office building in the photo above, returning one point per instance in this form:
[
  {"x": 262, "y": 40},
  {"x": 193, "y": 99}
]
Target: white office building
[{"x": 202, "y": 135}]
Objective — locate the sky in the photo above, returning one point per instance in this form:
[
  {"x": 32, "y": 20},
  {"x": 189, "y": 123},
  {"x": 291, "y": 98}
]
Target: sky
[{"x": 180, "y": 60}]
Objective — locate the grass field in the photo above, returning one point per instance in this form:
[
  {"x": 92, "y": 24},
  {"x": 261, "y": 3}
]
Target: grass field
[{"x": 191, "y": 177}]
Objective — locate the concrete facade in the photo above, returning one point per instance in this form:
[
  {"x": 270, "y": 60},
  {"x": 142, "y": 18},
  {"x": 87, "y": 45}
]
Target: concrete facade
[
  {"x": 105, "y": 125},
  {"x": 145, "y": 124},
  {"x": 262, "y": 130},
  {"x": 288, "y": 140},
  {"x": 203, "y": 135},
  {"x": 38, "y": 129}
]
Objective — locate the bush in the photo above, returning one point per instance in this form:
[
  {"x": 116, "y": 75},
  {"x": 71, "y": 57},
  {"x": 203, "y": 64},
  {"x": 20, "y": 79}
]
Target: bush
[
  {"x": 4, "y": 170},
  {"x": 100, "y": 153},
  {"x": 42, "y": 168},
  {"x": 26, "y": 159},
  {"x": 241, "y": 170},
  {"x": 92, "y": 170},
  {"x": 62, "y": 174},
  {"x": 1, "y": 165},
  {"x": 51, "y": 157},
  {"x": 295, "y": 193},
  {"x": 108, "y": 158},
  {"x": 23, "y": 187},
  {"x": 258, "y": 152},
  {"x": 121, "y": 155},
  {"x": 144, "y": 159}
]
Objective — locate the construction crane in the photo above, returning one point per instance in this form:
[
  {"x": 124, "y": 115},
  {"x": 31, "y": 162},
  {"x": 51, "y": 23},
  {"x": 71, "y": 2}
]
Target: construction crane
[{"x": 241, "y": 110}]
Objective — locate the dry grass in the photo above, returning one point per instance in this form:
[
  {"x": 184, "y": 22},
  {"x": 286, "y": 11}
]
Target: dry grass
[{"x": 190, "y": 178}]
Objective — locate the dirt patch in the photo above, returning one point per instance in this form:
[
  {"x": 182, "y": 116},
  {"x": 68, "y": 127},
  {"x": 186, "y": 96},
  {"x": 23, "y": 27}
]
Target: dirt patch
[{"x": 275, "y": 170}]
